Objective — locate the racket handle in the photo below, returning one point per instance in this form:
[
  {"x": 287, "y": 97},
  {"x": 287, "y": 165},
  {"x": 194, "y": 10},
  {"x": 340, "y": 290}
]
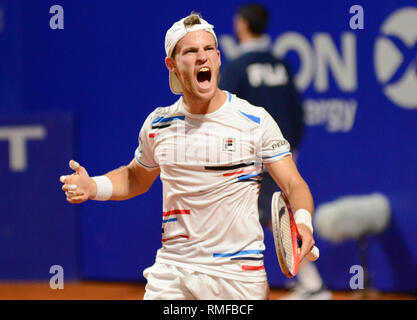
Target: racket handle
[{"x": 314, "y": 254}]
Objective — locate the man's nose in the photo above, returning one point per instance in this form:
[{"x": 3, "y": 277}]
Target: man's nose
[{"x": 202, "y": 54}]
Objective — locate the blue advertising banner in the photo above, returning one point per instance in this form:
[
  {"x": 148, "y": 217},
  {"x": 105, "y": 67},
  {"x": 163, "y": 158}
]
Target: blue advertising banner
[
  {"x": 11, "y": 69},
  {"x": 38, "y": 228},
  {"x": 354, "y": 65}
]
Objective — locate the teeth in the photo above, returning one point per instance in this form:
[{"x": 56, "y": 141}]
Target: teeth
[{"x": 204, "y": 69}]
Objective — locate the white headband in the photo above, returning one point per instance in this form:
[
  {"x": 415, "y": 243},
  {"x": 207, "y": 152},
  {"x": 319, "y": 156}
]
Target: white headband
[{"x": 175, "y": 34}]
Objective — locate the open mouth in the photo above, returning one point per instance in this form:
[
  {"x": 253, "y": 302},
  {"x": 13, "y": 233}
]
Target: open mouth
[{"x": 204, "y": 76}]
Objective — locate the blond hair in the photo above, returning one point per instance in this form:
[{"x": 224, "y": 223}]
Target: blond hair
[{"x": 192, "y": 19}]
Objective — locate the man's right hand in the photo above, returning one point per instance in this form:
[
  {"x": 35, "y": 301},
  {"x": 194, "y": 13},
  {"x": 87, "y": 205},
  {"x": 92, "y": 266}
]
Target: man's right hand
[{"x": 78, "y": 187}]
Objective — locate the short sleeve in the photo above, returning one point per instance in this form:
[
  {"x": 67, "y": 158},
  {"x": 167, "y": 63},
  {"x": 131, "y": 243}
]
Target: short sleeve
[
  {"x": 144, "y": 153},
  {"x": 274, "y": 145}
]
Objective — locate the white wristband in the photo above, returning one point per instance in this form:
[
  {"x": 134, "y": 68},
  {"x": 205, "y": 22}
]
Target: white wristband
[
  {"x": 104, "y": 188},
  {"x": 303, "y": 216}
]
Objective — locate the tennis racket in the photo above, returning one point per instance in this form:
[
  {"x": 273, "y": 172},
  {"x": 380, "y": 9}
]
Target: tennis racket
[{"x": 287, "y": 239}]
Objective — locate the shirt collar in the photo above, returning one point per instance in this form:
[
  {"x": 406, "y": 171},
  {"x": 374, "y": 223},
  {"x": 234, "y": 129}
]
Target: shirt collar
[{"x": 260, "y": 44}]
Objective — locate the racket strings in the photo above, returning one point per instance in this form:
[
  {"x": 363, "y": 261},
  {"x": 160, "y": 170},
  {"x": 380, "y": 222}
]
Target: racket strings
[{"x": 286, "y": 239}]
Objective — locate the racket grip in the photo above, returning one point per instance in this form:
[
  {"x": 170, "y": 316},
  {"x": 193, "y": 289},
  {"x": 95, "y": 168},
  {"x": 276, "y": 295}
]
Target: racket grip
[{"x": 314, "y": 254}]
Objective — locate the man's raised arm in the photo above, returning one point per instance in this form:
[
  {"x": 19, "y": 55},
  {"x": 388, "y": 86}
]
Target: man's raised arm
[{"x": 120, "y": 184}]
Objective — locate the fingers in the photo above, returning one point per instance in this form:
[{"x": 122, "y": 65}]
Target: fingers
[
  {"x": 71, "y": 194},
  {"x": 74, "y": 165},
  {"x": 314, "y": 254},
  {"x": 72, "y": 191},
  {"x": 307, "y": 240},
  {"x": 77, "y": 199},
  {"x": 306, "y": 248},
  {"x": 71, "y": 187},
  {"x": 78, "y": 170}
]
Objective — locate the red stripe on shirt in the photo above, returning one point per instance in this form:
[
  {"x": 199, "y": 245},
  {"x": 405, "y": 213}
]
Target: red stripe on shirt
[
  {"x": 172, "y": 212},
  {"x": 239, "y": 172},
  {"x": 253, "y": 267},
  {"x": 179, "y": 236}
]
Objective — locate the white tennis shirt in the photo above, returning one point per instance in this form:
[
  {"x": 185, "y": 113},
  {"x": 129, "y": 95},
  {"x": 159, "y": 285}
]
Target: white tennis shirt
[{"x": 211, "y": 169}]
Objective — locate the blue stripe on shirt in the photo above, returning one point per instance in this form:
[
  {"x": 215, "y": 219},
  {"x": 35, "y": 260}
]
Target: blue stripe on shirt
[
  {"x": 248, "y": 176},
  {"x": 239, "y": 253},
  {"x": 277, "y": 155},
  {"x": 162, "y": 119},
  {"x": 251, "y": 117}
]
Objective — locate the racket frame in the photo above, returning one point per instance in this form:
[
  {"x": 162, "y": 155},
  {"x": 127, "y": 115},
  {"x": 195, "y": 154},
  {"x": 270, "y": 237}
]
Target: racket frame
[{"x": 295, "y": 236}]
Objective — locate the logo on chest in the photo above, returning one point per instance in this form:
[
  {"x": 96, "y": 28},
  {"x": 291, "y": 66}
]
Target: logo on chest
[{"x": 229, "y": 144}]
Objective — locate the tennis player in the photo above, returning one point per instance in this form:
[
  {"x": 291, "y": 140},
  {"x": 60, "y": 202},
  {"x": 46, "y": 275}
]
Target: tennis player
[{"x": 208, "y": 149}]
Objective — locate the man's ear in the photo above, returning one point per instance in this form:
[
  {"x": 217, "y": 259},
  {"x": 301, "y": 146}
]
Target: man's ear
[{"x": 170, "y": 64}]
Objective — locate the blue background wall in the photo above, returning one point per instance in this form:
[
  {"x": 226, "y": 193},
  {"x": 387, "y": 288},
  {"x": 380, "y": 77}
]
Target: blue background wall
[{"x": 93, "y": 83}]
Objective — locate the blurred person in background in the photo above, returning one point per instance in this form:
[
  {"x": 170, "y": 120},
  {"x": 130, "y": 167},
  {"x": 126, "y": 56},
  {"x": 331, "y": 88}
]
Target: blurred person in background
[{"x": 259, "y": 77}]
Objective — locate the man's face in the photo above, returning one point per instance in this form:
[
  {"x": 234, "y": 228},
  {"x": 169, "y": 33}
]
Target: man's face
[{"x": 197, "y": 64}]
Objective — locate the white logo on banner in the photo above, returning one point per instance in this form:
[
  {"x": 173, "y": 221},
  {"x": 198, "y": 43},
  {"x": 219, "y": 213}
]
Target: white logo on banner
[
  {"x": 357, "y": 280},
  {"x": 57, "y": 280},
  {"x": 395, "y": 57},
  {"x": 57, "y": 20},
  {"x": 395, "y": 61},
  {"x": 357, "y": 20},
  {"x": 17, "y": 136},
  {"x": 318, "y": 59}
]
